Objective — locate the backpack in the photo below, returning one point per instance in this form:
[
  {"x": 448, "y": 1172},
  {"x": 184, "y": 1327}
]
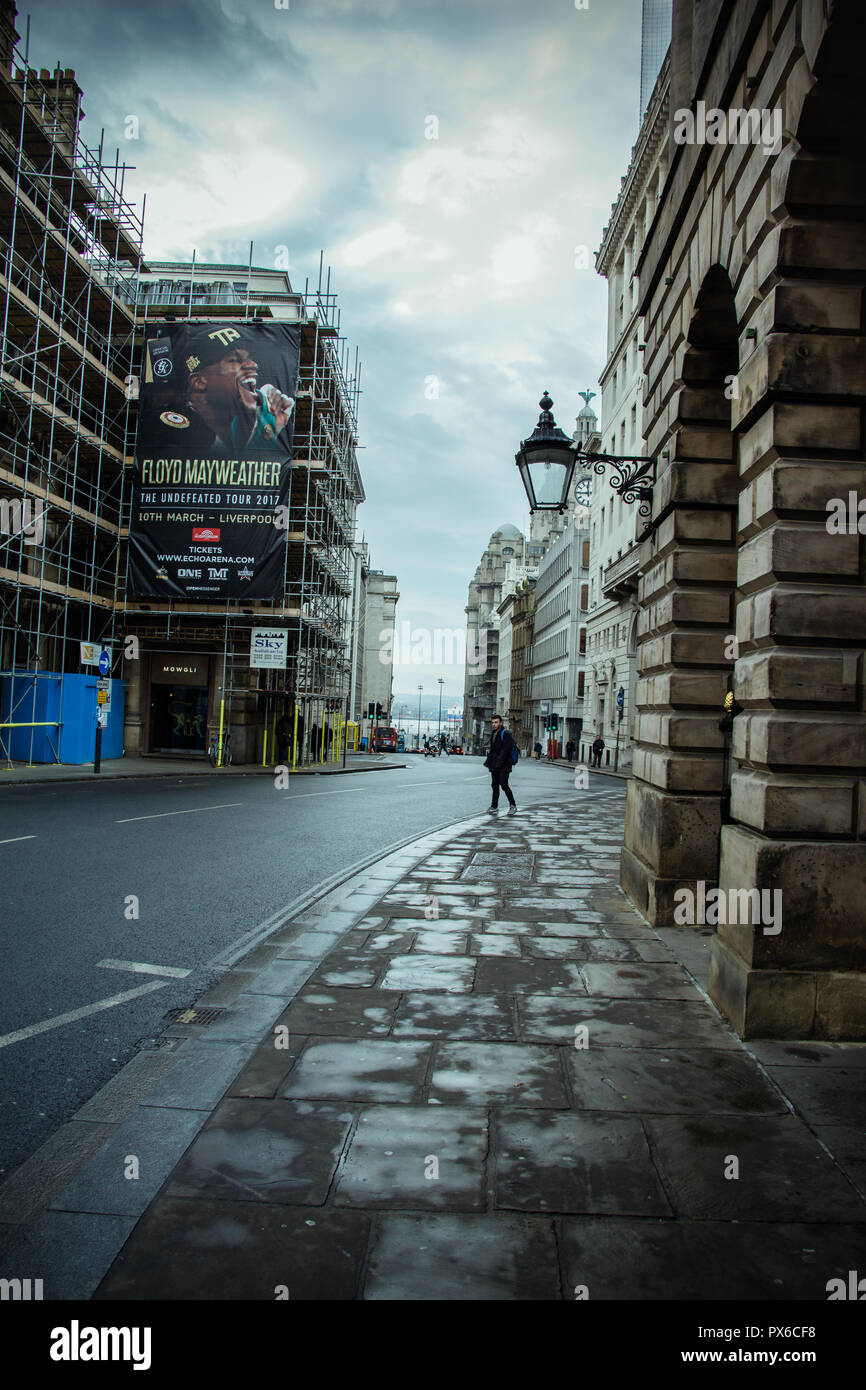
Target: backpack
[{"x": 515, "y": 754}]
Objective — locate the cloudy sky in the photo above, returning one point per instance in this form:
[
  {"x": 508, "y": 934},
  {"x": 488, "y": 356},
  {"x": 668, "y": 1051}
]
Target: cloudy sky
[{"x": 449, "y": 156}]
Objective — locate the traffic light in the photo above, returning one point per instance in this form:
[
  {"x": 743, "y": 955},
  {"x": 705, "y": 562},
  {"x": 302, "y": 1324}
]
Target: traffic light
[
  {"x": 379, "y": 714},
  {"x": 554, "y": 723},
  {"x": 371, "y": 710}
]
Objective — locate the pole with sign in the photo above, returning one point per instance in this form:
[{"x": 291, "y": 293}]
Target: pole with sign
[
  {"x": 620, "y": 701},
  {"x": 103, "y": 704}
]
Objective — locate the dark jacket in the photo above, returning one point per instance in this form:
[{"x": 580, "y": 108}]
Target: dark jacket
[{"x": 499, "y": 755}]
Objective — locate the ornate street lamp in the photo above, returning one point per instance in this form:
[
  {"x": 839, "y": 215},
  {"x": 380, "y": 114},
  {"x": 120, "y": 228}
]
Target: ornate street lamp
[
  {"x": 546, "y": 461},
  {"x": 632, "y": 478}
]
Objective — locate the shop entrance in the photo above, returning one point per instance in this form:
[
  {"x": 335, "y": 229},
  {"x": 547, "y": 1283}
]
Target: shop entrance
[{"x": 178, "y": 704}]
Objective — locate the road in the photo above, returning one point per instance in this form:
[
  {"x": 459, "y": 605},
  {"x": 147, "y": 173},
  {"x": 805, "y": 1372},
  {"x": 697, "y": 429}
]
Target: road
[{"x": 172, "y": 872}]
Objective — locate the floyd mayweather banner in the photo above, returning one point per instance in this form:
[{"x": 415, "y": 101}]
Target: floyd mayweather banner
[{"x": 213, "y": 461}]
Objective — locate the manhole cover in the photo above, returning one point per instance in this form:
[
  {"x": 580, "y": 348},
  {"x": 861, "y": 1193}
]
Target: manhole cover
[
  {"x": 490, "y": 873},
  {"x": 195, "y": 1016}
]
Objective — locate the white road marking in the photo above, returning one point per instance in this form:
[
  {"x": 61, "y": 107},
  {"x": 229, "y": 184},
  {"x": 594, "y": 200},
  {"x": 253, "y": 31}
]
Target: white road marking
[
  {"x": 59, "y": 1019},
  {"x": 193, "y": 811},
  {"x": 140, "y": 968},
  {"x": 15, "y": 838}
]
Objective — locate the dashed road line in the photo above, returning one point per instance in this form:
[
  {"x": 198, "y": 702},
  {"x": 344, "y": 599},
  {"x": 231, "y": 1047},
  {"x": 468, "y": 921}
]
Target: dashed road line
[
  {"x": 193, "y": 811},
  {"x": 139, "y": 967},
  {"x": 60, "y": 1019}
]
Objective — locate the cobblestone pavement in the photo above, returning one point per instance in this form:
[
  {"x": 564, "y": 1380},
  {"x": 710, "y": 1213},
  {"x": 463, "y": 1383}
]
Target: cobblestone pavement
[{"x": 498, "y": 1083}]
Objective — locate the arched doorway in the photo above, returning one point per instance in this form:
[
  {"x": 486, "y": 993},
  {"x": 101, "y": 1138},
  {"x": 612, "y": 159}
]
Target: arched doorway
[{"x": 673, "y": 814}]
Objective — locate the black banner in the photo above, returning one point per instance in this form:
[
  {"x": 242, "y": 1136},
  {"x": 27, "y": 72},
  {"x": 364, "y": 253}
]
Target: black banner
[{"x": 213, "y": 461}]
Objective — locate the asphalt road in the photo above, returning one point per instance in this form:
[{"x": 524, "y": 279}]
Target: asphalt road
[{"x": 208, "y": 860}]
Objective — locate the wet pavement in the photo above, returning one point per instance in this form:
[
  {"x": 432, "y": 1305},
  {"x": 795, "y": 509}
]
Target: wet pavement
[{"x": 482, "y": 1077}]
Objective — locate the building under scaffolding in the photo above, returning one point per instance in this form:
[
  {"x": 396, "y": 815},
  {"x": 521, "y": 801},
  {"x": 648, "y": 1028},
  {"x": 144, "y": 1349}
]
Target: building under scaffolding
[
  {"x": 190, "y": 675},
  {"x": 66, "y": 353},
  {"x": 76, "y": 298}
]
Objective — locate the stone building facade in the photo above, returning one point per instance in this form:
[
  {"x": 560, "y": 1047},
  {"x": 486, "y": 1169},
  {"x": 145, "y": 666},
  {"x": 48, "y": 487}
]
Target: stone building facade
[
  {"x": 752, "y": 291},
  {"x": 611, "y": 629}
]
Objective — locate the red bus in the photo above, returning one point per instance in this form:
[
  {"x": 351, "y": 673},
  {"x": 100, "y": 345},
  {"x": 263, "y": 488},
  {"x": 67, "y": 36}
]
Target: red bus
[{"x": 385, "y": 741}]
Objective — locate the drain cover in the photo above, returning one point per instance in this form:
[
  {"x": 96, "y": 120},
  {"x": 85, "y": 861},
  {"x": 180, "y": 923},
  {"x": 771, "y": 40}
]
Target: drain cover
[
  {"x": 487, "y": 865},
  {"x": 196, "y": 1016},
  {"x": 518, "y": 859}
]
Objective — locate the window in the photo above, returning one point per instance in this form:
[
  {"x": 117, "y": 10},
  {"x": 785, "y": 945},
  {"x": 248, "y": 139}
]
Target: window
[
  {"x": 584, "y": 561},
  {"x": 580, "y": 687},
  {"x": 509, "y": 549},
  {"x": 583, "y": 641},
  {"x": 583, "y": 595}
]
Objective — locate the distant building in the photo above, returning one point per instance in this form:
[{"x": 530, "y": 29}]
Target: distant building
[
  {"x": 559, "y": 639},
  {"x": 380, "y": 599},
  {"x": 522, "y": 628},
  {"x": 507, "y": 544}
]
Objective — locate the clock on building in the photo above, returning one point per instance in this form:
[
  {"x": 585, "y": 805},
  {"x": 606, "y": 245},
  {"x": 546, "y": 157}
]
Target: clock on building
[{"x": 583, "y": 491}]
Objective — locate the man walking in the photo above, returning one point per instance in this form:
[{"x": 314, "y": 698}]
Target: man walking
[
  {"x": 597, "y": 750},
  {"x": 499, "y": 761}
]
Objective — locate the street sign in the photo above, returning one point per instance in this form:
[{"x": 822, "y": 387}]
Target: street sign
[
  {"x": 102, "y": 717},
  {"x": 620, "y": 698},
  {"x": 103, "y": 694},
  {"x": 269, "y": 648},
  {"x": 90, "y": 653},
  {"x": 104, "y": 661}
]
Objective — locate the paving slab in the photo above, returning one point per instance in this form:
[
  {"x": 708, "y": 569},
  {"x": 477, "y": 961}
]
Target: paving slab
[
  {"x": 631, "y": 1023},
  {"x": 69, "y": 1251},
  {"x": 308, "y": 945},
  {"x": 128, "y": 1171},
  {"x": 825, "y": 1095},
  {"x": 527, "y": 976},
  {"x": 679, "y": 1082},
  {"x": 464, "y": 1017},
  {"x": 415, "y": 1157},
  {"x": 624, "y": 1259},
  {"x": 639, "y": 981},
  {"x": 452, "y": 974},
  {"x": 472, "y": 1258},
  {"x": 269, "y": 1065},
  {"x": 201, "y": 1075},
  {"x": 234, "y": 1251},
  {"x": 497, "y": 1074},
  {"x": 342, "y": 1013},
  {"x": 266, "y": 1151},
  {"x": 438, "y": 941},
  {"x": 562, "y": 1162},
  {"x": 732, "y": 1169},
  {"x": 361, "y": 1070}
]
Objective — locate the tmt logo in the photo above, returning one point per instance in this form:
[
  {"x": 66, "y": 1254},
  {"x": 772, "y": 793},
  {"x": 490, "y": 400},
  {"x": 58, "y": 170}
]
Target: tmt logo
[{"x": 218, "y": 573}]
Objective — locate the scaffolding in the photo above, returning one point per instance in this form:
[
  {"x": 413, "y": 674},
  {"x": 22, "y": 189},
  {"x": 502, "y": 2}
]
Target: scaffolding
[
  {"x": 77, "y": 298},
  {"x": 66, "y": 352},
  {"x": 315, "y": 605}
]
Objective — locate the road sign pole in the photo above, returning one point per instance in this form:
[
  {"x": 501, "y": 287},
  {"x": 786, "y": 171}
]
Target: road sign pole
[{"x": 97, "y": 750}]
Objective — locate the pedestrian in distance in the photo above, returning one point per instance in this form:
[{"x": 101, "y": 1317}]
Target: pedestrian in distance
[
  {"x": 597, "y": 750},
  {"x": 499, "y": 761},
  {"x": 537, "y": 749},
  {"x": 569, "y": 750},
  {"x": 284, "y": 737}
]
